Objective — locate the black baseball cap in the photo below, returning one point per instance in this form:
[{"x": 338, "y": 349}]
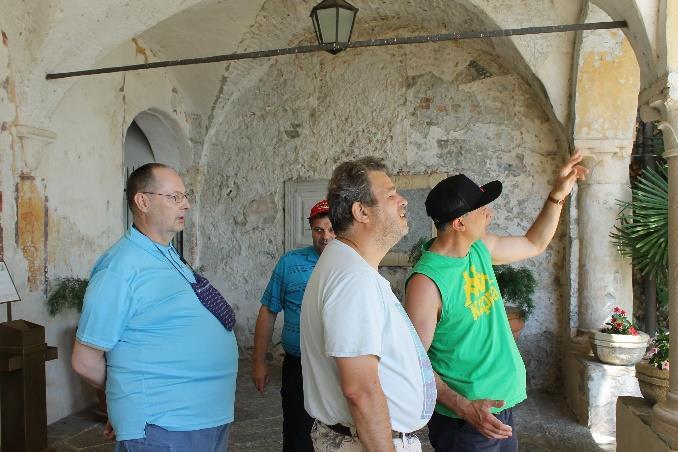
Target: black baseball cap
[{"x": 458, "y": 195}]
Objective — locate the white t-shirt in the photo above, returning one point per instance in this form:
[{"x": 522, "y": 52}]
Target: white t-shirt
[{"x": 350, "y": 310}]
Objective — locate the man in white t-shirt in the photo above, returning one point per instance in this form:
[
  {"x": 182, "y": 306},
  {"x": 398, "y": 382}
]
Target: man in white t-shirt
[{"x": 367, "y": 378}]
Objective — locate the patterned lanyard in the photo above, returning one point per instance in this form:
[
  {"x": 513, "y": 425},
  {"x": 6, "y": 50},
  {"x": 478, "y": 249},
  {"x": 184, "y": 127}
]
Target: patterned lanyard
[
  {"x": 171, "y": 261},
  {"x": 207, "y": 294}
]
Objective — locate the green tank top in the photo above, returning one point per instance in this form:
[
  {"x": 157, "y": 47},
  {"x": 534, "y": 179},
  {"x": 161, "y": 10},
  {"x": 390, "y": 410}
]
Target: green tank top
[{"x": 473, "y": 349}]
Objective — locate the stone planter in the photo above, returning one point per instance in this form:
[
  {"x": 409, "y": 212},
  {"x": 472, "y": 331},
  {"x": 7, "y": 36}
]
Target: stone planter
[
  {"x": 618, "y": 349},
  {"x": 653, "y": 382}
]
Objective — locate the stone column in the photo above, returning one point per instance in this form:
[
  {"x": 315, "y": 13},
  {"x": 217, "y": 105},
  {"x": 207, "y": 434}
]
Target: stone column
[
  {"x": 665, "y": 414},
  {"x": 604, "y": 281},
  {"x": 604, "y": 276}
]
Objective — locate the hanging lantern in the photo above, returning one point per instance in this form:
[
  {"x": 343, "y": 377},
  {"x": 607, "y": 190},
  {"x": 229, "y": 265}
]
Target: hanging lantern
[{"x": 333, "y": 22}]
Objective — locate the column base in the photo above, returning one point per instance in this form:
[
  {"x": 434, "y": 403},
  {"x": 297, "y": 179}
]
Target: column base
[
  {"x": 635, "y": 421},
  {"x": 665, "y": 417},
  {"x": 592, "y": 389}
]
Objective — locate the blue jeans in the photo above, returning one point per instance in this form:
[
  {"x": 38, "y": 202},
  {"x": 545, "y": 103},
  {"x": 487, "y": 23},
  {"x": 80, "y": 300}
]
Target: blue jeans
[
  {"x": 158, "y": 439},
  {"x": 449, "y": 434}
]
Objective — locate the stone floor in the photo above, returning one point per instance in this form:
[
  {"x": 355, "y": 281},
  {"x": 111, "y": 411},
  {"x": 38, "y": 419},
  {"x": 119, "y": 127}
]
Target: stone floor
[{"x": 543, "y": 423}]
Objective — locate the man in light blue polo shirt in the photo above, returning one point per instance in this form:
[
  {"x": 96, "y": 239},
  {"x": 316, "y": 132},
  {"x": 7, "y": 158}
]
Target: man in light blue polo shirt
[
  {"x": 168, "y": 364},
  {"x": 285, "y": 291}
]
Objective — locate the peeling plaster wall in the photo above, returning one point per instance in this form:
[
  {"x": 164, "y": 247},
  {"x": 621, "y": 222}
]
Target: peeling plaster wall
[
  {"x": 7, "y": 119},
  {"x": 65, "y": 208},
  {"x": 670, "y": 32},
  {"x": 439, "y": 108},
  {"x": 86, "y": 209},
  {"x": 607, "y": 84},
  {"x": 644, "y": 32},
  {"x": 292, "y": 117},
  {"x": 549, "y": 56},
  {"x": 60, "y": 35}
]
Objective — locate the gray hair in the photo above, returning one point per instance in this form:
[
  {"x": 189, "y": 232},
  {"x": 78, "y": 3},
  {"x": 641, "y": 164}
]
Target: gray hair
[{"x": 350, "y": 184}]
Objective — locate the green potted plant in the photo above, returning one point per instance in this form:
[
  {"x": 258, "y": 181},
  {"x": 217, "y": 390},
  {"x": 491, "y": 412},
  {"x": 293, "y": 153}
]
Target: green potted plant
[
  {"x": 517, "y": 285},
  {"x": 653, "y": 374},
  {"x": 69, "y": 293},
  {"x": 619, "y": 342}
]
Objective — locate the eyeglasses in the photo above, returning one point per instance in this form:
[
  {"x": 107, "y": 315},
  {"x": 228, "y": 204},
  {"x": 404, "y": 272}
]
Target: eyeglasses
[{"x": 177, "y": 197}]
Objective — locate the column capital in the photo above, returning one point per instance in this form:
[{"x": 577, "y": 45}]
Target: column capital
[
  {"x": 606, "y": 158},
  {"x": 602, "y": 148},
  {"x": 660, "y": 103},
  {"x": 33, "y": 142}
]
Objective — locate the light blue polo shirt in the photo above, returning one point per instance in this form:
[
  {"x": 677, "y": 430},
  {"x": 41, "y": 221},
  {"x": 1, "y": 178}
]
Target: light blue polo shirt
[
  {"x": 169, "y": 360},
  {"x": 285, "y": 291}
]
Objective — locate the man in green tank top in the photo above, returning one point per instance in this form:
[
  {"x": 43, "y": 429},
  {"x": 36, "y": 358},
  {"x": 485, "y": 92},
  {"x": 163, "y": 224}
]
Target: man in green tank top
[{"x": 454, "y": 303}]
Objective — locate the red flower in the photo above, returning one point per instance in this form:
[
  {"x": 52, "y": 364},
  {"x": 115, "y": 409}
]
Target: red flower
[
  {"x": 633, "y": 331},
  {"x": 617, "y": 309},
  {"x": 622, "y": 312}
]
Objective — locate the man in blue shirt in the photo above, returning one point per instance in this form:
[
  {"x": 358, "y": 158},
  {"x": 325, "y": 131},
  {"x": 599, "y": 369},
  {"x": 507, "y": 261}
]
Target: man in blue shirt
[
  {"x": 285, "y": 291},
  {"x": 168, "y": 364}
]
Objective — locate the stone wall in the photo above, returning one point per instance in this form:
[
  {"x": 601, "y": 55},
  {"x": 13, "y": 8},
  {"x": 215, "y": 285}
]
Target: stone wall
[
  {"x": 61, "y": 203},
  {"x": 437, "y": 108}
]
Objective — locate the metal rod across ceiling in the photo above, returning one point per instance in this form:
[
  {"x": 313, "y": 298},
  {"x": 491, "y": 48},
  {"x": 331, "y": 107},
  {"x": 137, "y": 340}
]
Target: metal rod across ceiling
[{"x": 351, "y": 45}]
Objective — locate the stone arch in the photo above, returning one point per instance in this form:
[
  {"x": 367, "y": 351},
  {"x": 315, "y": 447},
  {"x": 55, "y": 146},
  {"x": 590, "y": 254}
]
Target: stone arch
[
  {"x": 301, "y": 115},
  {"x": 59, "y": 45},
  {"x": 379, "y": 19},
  {"x": 168, "y": 145},
  {"x": 606, "y": 82},
  {"x": 167, "y": 139},
  {"x": 644, "y": 20}
]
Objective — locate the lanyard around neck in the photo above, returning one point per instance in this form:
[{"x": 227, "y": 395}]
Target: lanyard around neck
[{"x": 171, "y": 261}]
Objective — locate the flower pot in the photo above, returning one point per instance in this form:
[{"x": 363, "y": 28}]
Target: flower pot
[
  {"x": 653, "y": 382},
  {"x": 516, "y": 320},
  {"x": 618, "y": 349}
]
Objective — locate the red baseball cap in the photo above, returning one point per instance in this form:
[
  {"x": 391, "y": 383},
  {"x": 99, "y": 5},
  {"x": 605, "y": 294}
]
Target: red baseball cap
[{"x": 319, "y": 209}]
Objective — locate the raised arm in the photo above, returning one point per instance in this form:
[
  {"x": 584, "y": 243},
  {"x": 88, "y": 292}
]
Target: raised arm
[
  {"x": 360, "y": 385},
  {"x": 423, "y": 305},
  {"x": 505, "y": 250}
]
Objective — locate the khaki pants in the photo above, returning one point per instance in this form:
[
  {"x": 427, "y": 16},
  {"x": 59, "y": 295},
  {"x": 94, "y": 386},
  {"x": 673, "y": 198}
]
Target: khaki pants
[{"x": 327, "y": 440}]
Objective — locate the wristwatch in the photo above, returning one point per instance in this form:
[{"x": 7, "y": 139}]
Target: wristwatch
[{"x": 558, "y": 202}]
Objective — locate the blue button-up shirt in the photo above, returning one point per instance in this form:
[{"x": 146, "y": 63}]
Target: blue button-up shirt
[{"x": 285, "y": 291}]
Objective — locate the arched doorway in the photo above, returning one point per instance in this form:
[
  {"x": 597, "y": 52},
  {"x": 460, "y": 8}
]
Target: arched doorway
[
  {"x": 145, "y": 129},
  {"x": 138, "y": 152}
]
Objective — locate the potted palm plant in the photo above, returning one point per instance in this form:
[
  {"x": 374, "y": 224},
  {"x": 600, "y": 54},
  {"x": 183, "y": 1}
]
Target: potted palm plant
[
  {"x": 641, "y": 233},
  {"x": 642, "y": 229},
  {"x": 653, "y": 374}
]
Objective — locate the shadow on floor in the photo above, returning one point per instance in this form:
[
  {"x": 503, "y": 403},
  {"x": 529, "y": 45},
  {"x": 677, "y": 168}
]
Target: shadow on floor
[{"x": 543, "y": 422}]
